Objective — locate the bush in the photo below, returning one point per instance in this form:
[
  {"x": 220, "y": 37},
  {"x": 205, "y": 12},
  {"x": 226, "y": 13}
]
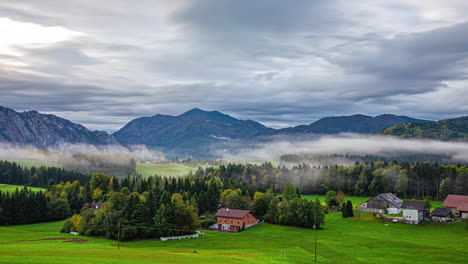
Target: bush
[
  {"x": 67, "y": 226},
  {"x": 207, "y": 223}
]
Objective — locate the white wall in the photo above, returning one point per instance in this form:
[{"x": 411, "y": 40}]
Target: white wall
[
  {"x": 410, "y": 215},
  {"x": 394, "y": 210}
]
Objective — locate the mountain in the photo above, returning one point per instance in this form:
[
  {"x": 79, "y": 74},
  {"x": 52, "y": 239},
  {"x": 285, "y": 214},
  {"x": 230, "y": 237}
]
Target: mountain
[
  {"x": 43, "y": 130},
  {"x": 353, "y": 124},
  {"x": 449, "y": 129},
  {"x": 190, "y": 134}
]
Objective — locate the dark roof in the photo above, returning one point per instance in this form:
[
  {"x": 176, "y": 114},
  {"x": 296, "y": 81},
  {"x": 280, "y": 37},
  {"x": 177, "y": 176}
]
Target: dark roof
[
  {"x": 415, "y": 205},
  {"x": 232, "y": 213},
  {"x": 441, "y": 212},
  {"x": 460, "y": 202},
  {"x": 391, "y": 198}
]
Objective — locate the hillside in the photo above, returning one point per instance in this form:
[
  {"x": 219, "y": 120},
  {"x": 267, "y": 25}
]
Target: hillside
[
  {"x": 449, "y": 129},
  {"x": 352, "y": 124},
  {"x": 42, "y": 130},
  {"x": 191, "y": 133}
]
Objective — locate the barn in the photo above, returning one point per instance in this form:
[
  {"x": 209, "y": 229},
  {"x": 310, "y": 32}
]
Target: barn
[
  {"x": 458, "y": 204},
  {"x": 375, "y": 204}
]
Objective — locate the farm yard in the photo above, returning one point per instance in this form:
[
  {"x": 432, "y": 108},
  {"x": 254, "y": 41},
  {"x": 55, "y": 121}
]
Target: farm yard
[{"x": 343, "y": 240}]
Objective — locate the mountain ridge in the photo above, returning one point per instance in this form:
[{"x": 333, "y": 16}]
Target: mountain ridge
[
  {"x": 447, "y": 129},
  {"x": 46, "y": 130}
]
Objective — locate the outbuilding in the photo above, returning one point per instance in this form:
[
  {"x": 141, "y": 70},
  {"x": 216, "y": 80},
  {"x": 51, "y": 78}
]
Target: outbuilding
[{"x": 440, "y": 214}]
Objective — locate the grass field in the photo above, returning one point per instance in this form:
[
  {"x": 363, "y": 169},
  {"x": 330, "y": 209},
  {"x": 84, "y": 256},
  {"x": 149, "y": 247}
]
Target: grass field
[
  {"x": 342, "y": 241},
  {"x": 12, "y": 188},
  {"x": 173, "y": 169}
]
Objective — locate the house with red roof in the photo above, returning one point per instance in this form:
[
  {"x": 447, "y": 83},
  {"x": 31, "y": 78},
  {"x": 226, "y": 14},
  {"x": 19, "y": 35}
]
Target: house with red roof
[
  {"x": 231, "y": 220},
  {"x": 458, "y": 204}
]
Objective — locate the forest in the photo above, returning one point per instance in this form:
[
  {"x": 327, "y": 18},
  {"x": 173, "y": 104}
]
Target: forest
[{"x": 419, "y": 180}]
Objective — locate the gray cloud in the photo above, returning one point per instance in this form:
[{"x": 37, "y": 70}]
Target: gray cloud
[{"x": 276, "y": 62}]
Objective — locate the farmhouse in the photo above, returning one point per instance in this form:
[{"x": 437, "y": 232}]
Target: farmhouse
[
  {"x": 458, "y": 204},
  {"x": 233, "y": 219},
  {"x": 414, "y": 212},
  {"x": 375, "y": 204}
]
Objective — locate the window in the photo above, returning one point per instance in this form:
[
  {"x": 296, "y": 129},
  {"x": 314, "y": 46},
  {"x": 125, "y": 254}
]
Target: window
[{"x": 238, "y": 222}]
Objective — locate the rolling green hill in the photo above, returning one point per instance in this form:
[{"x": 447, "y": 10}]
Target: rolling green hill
[
  {"x": 348, "y": 240},
  {"x": 449, "y": 129}
]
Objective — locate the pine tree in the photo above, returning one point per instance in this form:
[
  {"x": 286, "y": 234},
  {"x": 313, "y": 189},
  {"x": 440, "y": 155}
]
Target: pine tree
[
  {"x": 344, "y": 210},
  {"x": 349, "y": 208}
]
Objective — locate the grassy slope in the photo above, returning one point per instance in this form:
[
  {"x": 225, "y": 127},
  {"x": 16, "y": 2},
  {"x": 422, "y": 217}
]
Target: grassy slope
[
  {"x": 150, "y": 169},
  {"x": 343, "y": 241},
  {"x": 12, "y": 188}
]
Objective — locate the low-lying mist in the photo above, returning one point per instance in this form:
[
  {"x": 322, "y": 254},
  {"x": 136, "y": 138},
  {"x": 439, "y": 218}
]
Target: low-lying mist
[
  {"x": 352, "y": 144},
  {"x": 56, "y": 153}
]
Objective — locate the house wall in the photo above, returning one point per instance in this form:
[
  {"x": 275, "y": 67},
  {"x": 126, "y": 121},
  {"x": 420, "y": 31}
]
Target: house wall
[
  {"x": 394, "y": 210},
  {"x": 233, "y": 224},
  {"x": 412, "y": 216},
  {"x": 464, "y": 215}
]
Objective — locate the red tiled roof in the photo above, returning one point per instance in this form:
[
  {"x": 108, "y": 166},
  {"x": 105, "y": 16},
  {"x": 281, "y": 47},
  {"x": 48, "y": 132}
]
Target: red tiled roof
[
  {"x": 460, "y": 202},
  {"x": 232, "y": 213}
]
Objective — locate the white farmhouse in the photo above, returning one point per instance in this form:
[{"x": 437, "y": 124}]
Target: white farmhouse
[{"x": 414, "y": 212}]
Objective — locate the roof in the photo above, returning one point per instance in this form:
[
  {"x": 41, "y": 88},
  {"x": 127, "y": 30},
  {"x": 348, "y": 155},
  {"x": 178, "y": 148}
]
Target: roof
[
  {"x": 414, "y": 205},
  {"x": 441, "y": 212},
  {"x": 389, "y": 197},
  {"x": 232, "y": 213},
  {"x": 460, "y": 202}
]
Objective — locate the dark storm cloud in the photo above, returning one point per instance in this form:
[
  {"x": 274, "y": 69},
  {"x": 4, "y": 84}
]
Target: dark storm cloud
[{"x": 277, "y": 62}]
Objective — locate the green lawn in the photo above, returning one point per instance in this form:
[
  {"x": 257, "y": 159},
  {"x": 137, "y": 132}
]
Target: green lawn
[
  {"x": 173, "y": 169},
  {"x": 12, "y": 188},
  {"x": 343, "y": 241}
]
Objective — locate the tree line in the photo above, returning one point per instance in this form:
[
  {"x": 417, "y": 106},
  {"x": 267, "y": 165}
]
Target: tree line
[
  {"x": 420, "y": 180},
  {"x": 12, "y": 173}
]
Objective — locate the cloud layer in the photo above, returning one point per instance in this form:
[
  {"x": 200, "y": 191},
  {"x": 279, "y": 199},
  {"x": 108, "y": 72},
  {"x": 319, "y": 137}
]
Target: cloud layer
[
  {"x": 106, "y": 62},
  {"x": 352, "y": 144}
]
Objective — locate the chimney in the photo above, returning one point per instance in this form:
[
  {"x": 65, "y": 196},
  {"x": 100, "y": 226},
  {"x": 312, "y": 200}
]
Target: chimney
[{"x": 227, "y": 210}]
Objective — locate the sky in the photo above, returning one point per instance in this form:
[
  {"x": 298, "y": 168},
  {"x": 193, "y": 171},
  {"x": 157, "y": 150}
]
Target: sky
[{"x": 282, "y": 63}]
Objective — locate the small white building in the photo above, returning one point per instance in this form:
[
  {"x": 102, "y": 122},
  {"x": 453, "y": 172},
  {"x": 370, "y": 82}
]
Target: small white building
[{"x": 414, "y": 212}]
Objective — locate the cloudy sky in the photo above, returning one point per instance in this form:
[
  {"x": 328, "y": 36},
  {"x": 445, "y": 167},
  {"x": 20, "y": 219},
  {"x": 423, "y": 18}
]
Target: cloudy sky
[{"x": 103, "y": 63}]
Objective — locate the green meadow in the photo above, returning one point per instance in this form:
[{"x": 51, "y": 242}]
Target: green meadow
[
  {"x": 12, "y": 188},
  {"x": 172, "y": 169},
  {"x": 347, "y": 240}
]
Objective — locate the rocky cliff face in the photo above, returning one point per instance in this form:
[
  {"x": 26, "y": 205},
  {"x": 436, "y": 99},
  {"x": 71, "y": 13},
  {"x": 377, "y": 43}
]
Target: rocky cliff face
[{"x": 43, "y": 130}]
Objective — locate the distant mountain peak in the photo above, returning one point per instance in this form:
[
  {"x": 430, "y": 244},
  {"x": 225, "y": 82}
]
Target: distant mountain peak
[{"x": 199, "y": 114}]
